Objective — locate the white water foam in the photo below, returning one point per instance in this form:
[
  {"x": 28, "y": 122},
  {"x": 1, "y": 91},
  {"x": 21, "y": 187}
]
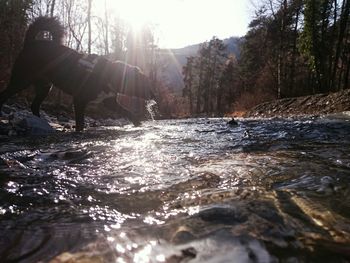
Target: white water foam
[{"x": 150, "y": 105}]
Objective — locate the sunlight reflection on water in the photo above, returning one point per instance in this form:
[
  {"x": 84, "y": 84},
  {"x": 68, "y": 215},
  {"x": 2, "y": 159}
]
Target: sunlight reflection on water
[{"x": 181, "y": 190}]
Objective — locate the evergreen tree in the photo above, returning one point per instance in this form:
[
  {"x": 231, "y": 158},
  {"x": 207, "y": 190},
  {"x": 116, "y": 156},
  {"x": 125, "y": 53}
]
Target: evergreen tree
[
  {"x": 188, "y": 74},
  {"x": 13, "y": 23}
]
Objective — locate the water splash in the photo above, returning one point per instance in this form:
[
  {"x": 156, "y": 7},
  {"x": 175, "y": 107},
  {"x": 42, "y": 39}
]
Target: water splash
[{"x": 151, "y": 108}]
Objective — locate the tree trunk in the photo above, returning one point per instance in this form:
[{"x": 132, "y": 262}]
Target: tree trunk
[
  {"x": 212, "y": 84},
  {"x": 198, "y": 106},
  {"x": 89, "y": 25},
  {"x": 294, "y": 50},
  {"x": 52, "y": 10},
  {"x": 315, "y": 48},
  {"x": 190, "y": 79},
  {"x": 107, "y": 28},
  {"x": 331, "y": 55},
  {"x": 208, "y": 77},
  {"x": 344, "y": 17},
  {"x": 190, "y": 97},
  {"x": 281, "y": 49},
  {"x": 346, "y": 77}
]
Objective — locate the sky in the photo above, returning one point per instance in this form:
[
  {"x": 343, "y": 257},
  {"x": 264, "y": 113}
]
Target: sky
[{"x": 180, "y": 23}]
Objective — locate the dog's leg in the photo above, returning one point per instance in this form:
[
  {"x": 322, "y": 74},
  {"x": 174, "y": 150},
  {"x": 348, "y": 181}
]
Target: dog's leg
[
  {"x": 41, "y": 91},
  {"x": 135, "y": 120},
  {"x": 79, "y": 109},
  {"x": 5, "y": 95},
  {"x": 131, "y": 117}
]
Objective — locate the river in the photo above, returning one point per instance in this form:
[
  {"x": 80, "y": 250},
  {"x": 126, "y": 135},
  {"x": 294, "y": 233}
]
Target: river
[{"x": 196, "y": 190}]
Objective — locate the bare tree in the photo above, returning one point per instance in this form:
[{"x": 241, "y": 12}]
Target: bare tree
[
  {"x": 106, "y": 34},
  {"x": 52, "y": 9},
  {"x": 89, "y": 25},
  {"x": 75, "y": 22}
]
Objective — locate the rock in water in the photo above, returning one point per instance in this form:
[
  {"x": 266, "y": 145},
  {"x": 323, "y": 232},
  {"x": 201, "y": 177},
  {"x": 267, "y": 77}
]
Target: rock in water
[
  {"x": 36, "y": 126},
  {"x": 232, "y": 122}
]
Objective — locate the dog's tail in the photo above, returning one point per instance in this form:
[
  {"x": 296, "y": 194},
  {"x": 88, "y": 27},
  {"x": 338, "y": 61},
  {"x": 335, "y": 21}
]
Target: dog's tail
[{"x": 45, "y": 24}]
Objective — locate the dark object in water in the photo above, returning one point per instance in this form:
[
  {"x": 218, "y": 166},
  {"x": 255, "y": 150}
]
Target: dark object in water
[
  {"x": 112, "y": 103},
  {"x": 232, "y": 122},
  {"x": 221, "y": 215}
]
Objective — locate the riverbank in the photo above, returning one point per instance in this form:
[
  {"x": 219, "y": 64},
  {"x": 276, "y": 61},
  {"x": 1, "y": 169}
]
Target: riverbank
[
  {"x": 61, "y": 117},
  {"x": 16, "y": 118},
  {"x": 307, "y": 105}
]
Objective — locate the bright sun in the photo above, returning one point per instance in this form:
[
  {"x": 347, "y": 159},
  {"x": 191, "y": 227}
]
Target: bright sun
[
  {"x": 181, "y": 22},
  {"x": 136, "y": 13}
]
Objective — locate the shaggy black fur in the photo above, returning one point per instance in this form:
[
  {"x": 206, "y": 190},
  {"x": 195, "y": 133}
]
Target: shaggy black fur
[{"x": 43, "y": 63}]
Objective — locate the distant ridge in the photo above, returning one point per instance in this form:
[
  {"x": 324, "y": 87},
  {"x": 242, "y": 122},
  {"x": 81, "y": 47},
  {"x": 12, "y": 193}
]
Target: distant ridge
[
  {"x": 232, "y": 44},
  {"x": 174, "y": 59}
]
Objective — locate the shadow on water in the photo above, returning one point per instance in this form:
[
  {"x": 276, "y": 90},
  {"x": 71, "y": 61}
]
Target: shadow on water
[{"x": 177, "y": 191}]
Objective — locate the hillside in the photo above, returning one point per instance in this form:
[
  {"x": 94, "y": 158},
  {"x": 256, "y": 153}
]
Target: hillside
[
  {"x": 309, "y": 105},
  {"x": 172, "y": 61}
]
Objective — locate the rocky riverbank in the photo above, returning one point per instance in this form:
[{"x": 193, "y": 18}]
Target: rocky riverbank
[
  {"x": 17, "y": 120},
  {"x": 308, "y": 105}
]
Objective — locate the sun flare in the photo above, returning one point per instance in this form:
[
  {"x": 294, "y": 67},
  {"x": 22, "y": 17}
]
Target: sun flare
[
  {"x": 180, "y": 22},
  {"x": 136, "y": 13}
]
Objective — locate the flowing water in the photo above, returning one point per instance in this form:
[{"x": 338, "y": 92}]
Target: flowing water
[{"x": 196, "y": 190}]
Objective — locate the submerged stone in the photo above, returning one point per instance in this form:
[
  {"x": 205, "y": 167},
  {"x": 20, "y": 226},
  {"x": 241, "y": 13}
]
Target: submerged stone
[
  {"x": 36, "y": 126},
  {"x": 222, "y": 215}
]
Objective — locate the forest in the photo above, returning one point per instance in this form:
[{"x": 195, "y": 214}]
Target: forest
[{"x": 292, "y": 48}]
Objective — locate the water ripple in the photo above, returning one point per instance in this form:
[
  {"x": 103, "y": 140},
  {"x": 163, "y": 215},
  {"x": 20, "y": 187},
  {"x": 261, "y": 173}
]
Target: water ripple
[{"x": 180, "y": 190}]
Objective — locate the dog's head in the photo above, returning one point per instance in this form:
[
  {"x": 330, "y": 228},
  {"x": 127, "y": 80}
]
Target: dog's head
[
  {"x": 131, "y": 88},
  {"x": 129, "y": 80}
]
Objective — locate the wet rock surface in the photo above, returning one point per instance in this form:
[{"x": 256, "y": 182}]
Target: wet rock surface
[{"x": 17, "y": 120}]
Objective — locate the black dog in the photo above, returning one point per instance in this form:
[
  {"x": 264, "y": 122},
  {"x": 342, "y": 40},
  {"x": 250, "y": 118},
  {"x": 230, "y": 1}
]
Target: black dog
[{"x": 43, "y": 63}]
